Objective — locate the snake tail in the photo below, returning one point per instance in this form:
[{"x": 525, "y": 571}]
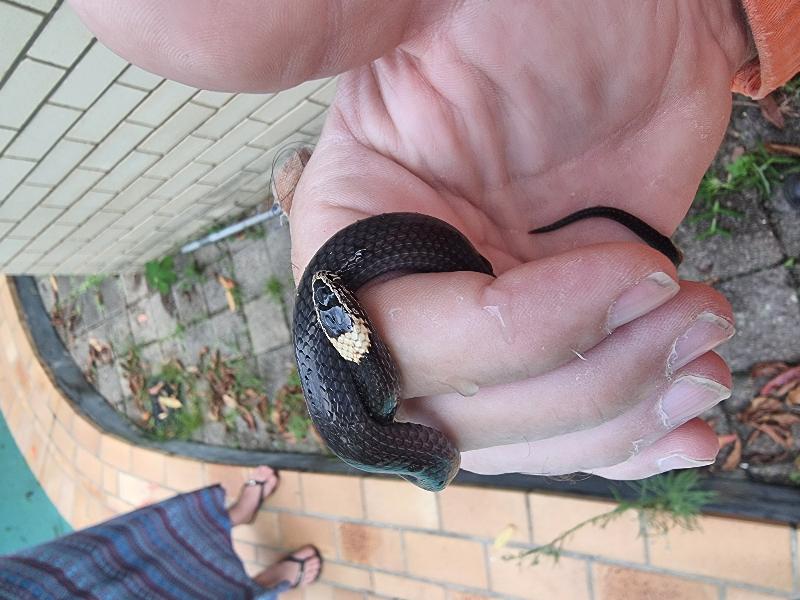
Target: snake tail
[{"x": 651, "y": 236}]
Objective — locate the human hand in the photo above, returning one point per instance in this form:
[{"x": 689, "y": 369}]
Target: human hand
[{"x": 498, "y": 118}]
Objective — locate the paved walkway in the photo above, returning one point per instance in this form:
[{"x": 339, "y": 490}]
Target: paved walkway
[{"x": 384, "y": 538}]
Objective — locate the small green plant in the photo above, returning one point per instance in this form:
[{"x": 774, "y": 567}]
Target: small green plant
[
  {"x": 191, "y": 276},
  {"x": 663, "y": 502},
  {"x": 91, "y": 282},
  {"x": 160, "y": 274},
  {"x": 174, "y": 402},
  {"x": 757, "y": 170},
  {"x": 274, "y": 289},
  {"x": 790, "y": 262}
]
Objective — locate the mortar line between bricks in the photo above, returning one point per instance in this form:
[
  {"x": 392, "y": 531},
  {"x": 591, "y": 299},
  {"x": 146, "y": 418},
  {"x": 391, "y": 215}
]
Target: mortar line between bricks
[
  {"x": 589, "y": 578},
  {"x": 569, "y": 553},
  {"x": 795, "y": 559},
  {"x": 722, "y": 593},
  {"x": 29, "y": 8},
  {"x": 778, "y": 236}
]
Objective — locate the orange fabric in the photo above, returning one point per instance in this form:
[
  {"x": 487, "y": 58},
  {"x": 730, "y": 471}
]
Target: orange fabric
[{"x": 775, "y": 26}]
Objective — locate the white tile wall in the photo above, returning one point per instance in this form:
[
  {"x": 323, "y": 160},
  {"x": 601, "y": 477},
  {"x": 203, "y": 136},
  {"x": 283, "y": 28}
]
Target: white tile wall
[
  {"x": 21, "y": 202},
  {"x": 28, "y": 85},
  {"x": 72, "y": 187},
  {"x": 185, "y": 120},
  {"x": 114, "y": 148},
  {"x": 93, "y": 74},
  {"x": 139, "y": 78},
  {"x": 104, "y": 166},
  {"x": 165, "y": 100},
  {"x": 41, "y": 134},
  {"x": 5, "y": 137},
  {"x": 62, "y": 40},
  {"x": 42, "y": 5},
  {"x": 127, "y": 171},
  {"x": 16, "y": 28},
  {"x": 233, "y": 113},
  {"x": 64, "y": 157},
  {"x": 35, "y": 222},
  {"x": 12, "y": 171},
  {"x": 113, "y": 106}
]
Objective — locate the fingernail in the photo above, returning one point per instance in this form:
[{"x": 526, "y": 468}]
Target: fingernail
[
  {"x": 679, "y": 461},
  {"x": 707, "y": 332},
  {"x": 651, "y": 292},
  {"x": 688, "y": 397}
]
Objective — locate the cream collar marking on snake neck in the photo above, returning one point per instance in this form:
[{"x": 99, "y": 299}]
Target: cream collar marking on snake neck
[{"x": 338, "y": 317}]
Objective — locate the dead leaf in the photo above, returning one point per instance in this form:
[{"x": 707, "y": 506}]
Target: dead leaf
[
  {"x": 193, "y": 370},
  {"x": 54, "y": 284},
  {"x": 786, "y": 388},
  {"x": 774, "y": 435},
  {"x": 505, "y": 535},
  {"x": 785, "y": 420},
  {"x": 142, "y": 318},
  {"x": 156, "y": 388},
  {"x": 789, "y": 149},
  {"x": 229, "y": 401},
  {"x": 169, "y": 402},
  {"x": 793, "y": 397},
  {"x": 771, "y": 111},
  {"x": 162, "y": 416},
  {"x": 228, "y": 285},
  {"x": 735, "y": 457},
  {"x": 768, "y": 369},
  {"x": 251, "y": 422},
  {"x": 724, "y": 440},
  {"x": 780, "y": 380},
  {"x": 737, "y": 152}
]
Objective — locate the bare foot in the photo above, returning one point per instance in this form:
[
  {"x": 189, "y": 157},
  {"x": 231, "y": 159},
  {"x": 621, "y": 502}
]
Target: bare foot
[
  {"x": 300, "y": 568},
  {"x": 246, "y": 506}
]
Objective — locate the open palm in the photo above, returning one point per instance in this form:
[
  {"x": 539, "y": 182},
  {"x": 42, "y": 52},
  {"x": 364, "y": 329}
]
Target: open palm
[{"x": 498, "y": 118}]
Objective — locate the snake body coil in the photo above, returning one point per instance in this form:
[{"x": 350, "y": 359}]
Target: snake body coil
[{"x": 348, "y": 377}]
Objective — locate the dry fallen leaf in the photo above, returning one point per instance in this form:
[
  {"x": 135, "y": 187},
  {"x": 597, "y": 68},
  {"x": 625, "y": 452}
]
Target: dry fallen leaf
[
  {"x": 782, "y": 149},
  {"x": 169, "y": 402},
  {"x": 142, "y": 318},
  {"x": 504, "y": 536},
  {"x": 771, "y": 111},
  {"x": 228, "y": 285},
  {"x": 780, "y": 380},
  {"x": 54, "y": 284},
  {"x": 735, "y": 457},
  {"x": 768, "y": 369},
  {"x": 156, "y": 388},
  {"x": 793, "y": 397},
  {"x": 229, "y": 401}
]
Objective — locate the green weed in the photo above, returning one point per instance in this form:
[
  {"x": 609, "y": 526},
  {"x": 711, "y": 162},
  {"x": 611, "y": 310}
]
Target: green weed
[
  {"x": 757, "y": 170},
  {"x": 274, "y": 289},
  {"x": 160, "y": 274},
  {"x": 663, "y": 502}
]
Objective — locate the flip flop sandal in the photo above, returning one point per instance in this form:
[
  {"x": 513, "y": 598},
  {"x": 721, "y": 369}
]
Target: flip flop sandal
[
  {"x": 260, "y": 484},
  {"x": 302, "y": 562}
]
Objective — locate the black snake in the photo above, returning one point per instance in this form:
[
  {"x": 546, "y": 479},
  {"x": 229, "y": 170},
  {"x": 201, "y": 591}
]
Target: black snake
[{"x": 348, "y": 377}]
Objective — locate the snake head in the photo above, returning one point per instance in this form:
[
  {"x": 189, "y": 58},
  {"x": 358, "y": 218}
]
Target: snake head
[{"x": 340, "y": 317}]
